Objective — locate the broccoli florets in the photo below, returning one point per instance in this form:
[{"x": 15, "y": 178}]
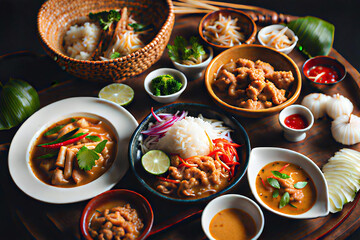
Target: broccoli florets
[{"x": 165, "y": 85}]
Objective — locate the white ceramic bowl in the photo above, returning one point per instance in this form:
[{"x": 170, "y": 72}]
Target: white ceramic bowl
[
  {"x": 289, "y": 33},
  {"x": 118, "y": 118},
  {"x": 232, "y": 201},
  {"x": 195, "y": 71},
  {"x": 291, "y": 134},
  {"x": 163, "y": 71},
  {"x": 261, "y": 156}
]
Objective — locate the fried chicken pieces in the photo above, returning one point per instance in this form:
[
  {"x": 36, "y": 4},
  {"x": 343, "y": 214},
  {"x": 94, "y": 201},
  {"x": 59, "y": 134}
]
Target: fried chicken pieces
[{"x": 254, "y": 85}]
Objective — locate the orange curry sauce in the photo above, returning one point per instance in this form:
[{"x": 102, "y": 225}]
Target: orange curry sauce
[{"x": 297, "y": 174}]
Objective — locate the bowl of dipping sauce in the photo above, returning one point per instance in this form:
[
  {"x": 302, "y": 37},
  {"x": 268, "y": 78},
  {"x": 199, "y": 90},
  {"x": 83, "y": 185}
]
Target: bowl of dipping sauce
[
  {"x": 296, "y": 120},
  {"x": 323, "y": 71},
  {"x": 232, "y": 216}
]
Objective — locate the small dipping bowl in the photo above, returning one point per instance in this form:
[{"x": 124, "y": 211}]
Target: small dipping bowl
[
  {"x": 106, "y": 199},
  {"x": 323, "y": 61},
  {"x": 292, "y": 134},
  {"x": 163, "y": 71},
  {"x": 232, "y": 201},
  {"x": 289, "y": 33},
  {"x": 193, "y": 72}
]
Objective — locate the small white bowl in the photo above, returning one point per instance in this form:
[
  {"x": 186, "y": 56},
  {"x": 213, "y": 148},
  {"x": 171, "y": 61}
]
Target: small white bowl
[
  {"x": 261, "y": 156},
  {"x": 195, "y": 71},
  {"x": 289, "y": 33},
  {"x": 163, "y": 71},
  {"x": 232, "y": 201},
  {"x": 295, "y": 135}
]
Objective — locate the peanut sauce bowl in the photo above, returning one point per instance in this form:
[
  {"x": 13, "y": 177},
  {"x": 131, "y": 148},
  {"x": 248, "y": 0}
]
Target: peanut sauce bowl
[
  {"x": 238, "y": 135},
  {"x": 262, "y": 156},
  {"x": 280, "y": 62},
  {"x": 112, "y": 199}
]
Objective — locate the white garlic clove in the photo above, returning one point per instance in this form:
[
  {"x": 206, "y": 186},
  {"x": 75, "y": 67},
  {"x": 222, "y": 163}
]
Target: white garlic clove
[
  {"x": 316, "y": 102},
  {"x": 338, "y": 105},
  {"x": 346, "y": 129}
]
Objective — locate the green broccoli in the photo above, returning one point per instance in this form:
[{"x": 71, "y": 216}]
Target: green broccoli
[{"x": 165, "y": 85}]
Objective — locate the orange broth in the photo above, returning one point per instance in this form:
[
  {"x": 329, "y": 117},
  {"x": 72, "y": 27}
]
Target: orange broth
[
  {"x": 299, "y": 175},
  {"x": 232, "y": 224}
]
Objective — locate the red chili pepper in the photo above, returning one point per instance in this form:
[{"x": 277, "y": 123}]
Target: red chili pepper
[
  {"x": 168, "y": 180},
  {"x": 67, "y": 142},
  {"x": 263, "y": 182},
  {"x": 282, "y": 169}
]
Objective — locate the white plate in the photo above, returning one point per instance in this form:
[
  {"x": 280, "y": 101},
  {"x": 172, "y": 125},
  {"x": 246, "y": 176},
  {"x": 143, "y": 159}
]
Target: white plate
[
  {"x": 261, "y": 156},
  {"x": 118, "y": 118}
]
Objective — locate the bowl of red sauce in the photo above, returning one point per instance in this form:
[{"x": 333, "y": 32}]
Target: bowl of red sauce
[
  {"x": 296, "y": 120},
  {"x": 323, "y": 71}
]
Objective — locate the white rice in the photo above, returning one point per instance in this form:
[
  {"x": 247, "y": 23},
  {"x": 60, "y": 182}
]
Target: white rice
[
  {"x": 187, "y": 137},
  {"x": 80, "y": 41}
]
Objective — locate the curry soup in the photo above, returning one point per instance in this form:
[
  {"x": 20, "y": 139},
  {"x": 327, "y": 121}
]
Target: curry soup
[{"x": 301, "y": 198}]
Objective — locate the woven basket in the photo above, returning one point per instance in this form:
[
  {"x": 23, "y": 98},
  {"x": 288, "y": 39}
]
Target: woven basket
[{"x": 56, "y": 16}]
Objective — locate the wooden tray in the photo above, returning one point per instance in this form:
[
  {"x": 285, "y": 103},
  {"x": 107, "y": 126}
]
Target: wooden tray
[{"x": 49, "y": 221}]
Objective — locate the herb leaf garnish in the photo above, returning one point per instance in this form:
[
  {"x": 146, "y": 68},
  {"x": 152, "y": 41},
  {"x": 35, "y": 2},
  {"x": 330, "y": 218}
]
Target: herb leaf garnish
[
  {"x": 86, "y": 158},
  {"x": 300, "y": 185},
  {"x": 292, "y": 205},
  {"x": 275, "y": 193},
  {"x": 105, "y": 18},
  {"x": 273, "y": 182},
  {"x": 67, "y": 136},
  {"x": 179, "y": 51},
  {"x": 138, "y": 27},
  {"x": 280, "y": 175},
  {"x": 115, "y": 55},
  {"x": 49, "y": 155},
  {"x": 285, "y": 199},
  {"x": 93, "y": 138},
  {"x": 53, "y": 130}
]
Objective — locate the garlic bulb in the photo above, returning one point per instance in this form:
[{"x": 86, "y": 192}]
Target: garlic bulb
[
  {"x": 338, "y": 105},
  {"x": 346, "y": 129},
  {"x": 316, "y": 102}
]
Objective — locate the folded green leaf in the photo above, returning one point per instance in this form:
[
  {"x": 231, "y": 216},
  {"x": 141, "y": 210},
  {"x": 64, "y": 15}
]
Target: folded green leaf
[
  {"x": 300, "y": 185},
  {"x": 18, "y": 100},
  {"x": 275, "y": 193},
  {"x": 93, "y": 138},
  {"x": 53, "y": 130},
  {"x": 316, "y": 36},
  {"x": 280, "y": 175},
  {"x": 49, "y": 155},
  {"x": 273, "y": 182},
  {"x": 285, "y": 199},
  {"x": 100, "y": 147}
]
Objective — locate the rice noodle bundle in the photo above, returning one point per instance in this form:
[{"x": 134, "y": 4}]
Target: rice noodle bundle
[
  {"x": 277, "y": 39},
  {"x": 224, "y": 31}
]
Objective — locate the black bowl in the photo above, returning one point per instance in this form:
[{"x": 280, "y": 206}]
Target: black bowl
[{"x": 239, "y": 136}]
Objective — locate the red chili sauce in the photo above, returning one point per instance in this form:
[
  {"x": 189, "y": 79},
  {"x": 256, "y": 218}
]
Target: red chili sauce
[
  {"x": 296, "y": 121},
  {"x": 331, "y": 75}
]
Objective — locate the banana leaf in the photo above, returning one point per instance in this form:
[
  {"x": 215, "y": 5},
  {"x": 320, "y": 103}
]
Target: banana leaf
[
  {"x": 18, "y": 100},
  {"x": 316, "y": 36}
]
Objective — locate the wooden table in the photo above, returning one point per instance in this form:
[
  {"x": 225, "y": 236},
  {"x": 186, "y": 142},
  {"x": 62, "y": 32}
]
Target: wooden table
[{"x": 50, "y": 221}]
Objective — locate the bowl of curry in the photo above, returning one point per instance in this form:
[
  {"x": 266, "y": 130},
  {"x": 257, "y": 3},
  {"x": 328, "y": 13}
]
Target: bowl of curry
[{"x": 287, "y": 183}]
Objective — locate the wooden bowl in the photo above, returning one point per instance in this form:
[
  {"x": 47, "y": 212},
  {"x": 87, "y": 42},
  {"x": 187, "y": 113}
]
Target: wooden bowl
[
  {"x": 246, "y": 23},
  {"x": 239, "y": 136},
  {"x": 280, "y": 62},
  {"x": 56, "y": 16},
  {"x": 103, "y": 200}
]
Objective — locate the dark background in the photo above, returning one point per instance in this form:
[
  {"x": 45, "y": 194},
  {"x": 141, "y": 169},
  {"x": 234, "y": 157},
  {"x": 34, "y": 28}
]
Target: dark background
[{"x": 18, "y": 32}]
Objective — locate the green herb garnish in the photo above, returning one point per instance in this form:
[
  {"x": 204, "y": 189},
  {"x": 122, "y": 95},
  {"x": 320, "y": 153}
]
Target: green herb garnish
[
  {"x": 292, "y": 205},
  {"x": 138, "y": 27},
  {"x": 280, "y": 175},
  {"x": 273, "y": 182},
  {"x": 55, "y": 129},
  {"x": 275, "y": 193},
  {"x": 285, "y": 199},
  {"x": 87, "y": 157},
  {"x": 300, "y": 185},
  {"x": 180, "y": 52},
  {"x": 115, "y": 55},
  {"x": 93, "y": 138},
  {"x": 165, "y": 85},
  {"x": 49, "y": 155},
  {"x": 105, "y": 18}
]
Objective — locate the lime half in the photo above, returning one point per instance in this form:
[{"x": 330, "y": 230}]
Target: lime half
[
  {"x": 155, "y": 162},
  {"x": 118, "y": 93}
]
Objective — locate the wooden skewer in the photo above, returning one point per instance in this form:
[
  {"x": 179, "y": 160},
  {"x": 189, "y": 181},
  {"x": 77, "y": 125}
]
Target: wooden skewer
[
  {"x": 190, "y": 10},
  {"x": 232, "y": 5},
  {"x": 200, "y": 4}
]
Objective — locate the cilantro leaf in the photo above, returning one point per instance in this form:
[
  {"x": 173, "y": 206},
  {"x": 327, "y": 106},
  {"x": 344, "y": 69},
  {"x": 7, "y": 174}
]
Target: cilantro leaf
[
  {"x": 105, "y": 18},
  {"x": 86, "y": 158},
  {"x": 115, "y": 55},
  {"x": 100, "y": 147},
  {"x": 138, "y": 27},
  {"x": 197, "y": 49},
  {"x": 180, "y": 51},
  {"x": 93, "y": 138}
]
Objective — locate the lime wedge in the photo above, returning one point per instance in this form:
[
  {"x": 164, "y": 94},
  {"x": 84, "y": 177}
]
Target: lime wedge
[
  {"x": 118, "y": 93},
  {"x": 155, "y": 162}
]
